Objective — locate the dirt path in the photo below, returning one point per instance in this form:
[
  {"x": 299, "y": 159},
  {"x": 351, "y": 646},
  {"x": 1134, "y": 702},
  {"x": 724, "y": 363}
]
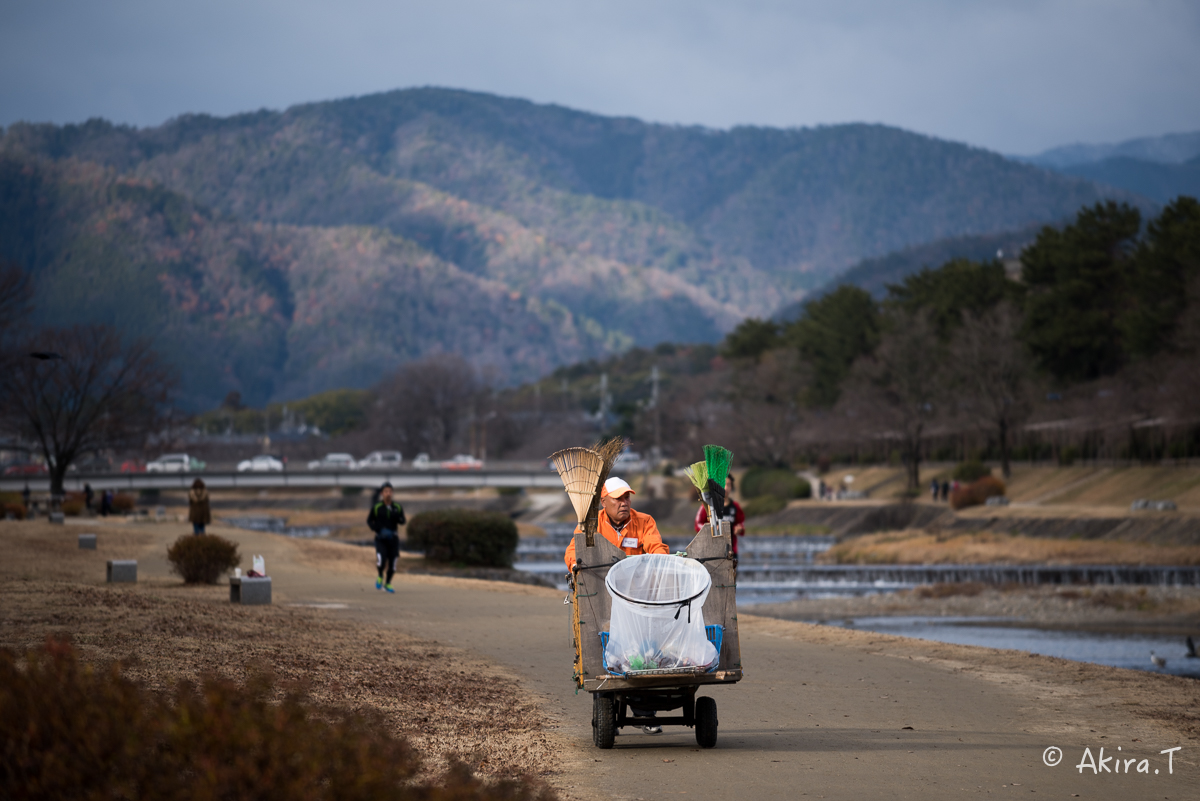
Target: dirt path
[{"x": 823, "y": 712}]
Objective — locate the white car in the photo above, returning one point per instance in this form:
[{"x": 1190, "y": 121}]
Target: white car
[
  {"x": 261, "y": 464},
  {"x": 422, "y": 462},
  {"x": 175, "y": 463},
  {"x": 334, "y": 461},
  {"x": 630, "y": 462},
  {"x": 381, "y": 460},
  {"x": 462, "y": 461}
]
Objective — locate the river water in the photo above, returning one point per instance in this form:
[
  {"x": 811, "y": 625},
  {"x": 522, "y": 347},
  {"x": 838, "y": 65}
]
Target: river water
[{"x": 1115, "y": 650}]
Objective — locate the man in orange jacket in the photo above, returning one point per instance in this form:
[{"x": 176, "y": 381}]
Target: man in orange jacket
[{"x": 632, "y": 532}]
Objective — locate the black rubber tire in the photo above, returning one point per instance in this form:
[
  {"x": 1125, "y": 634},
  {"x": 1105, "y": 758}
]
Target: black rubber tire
[
  {"x": 604, "y": 721},
  {"x": 706, "y": 722}
]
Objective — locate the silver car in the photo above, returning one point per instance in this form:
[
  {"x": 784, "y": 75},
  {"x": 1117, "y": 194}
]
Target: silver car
[
  {"x": 381, "y": 460},
  {"x": 334, "y": 461},
  {"x": 261, "y": 464}
]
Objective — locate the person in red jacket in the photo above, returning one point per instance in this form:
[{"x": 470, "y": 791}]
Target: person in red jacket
[{"x": 731, "y": 513}]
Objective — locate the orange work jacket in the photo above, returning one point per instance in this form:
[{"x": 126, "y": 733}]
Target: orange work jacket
[{"x": 641, "y": 532}]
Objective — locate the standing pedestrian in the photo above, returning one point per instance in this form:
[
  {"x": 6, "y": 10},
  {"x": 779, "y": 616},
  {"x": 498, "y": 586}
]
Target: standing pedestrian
[
  {"x": 106, "y": 503},
  {"x": 25, "y": 498},
  {"x": 385, "y": 519},
  {"x": 730, "y": 512},
  {"x": 945, "y": 490},
  {"x": 199, "y": 510},
  {"x": 88, "y": 495},
  {"x": 934, "y": 488}
]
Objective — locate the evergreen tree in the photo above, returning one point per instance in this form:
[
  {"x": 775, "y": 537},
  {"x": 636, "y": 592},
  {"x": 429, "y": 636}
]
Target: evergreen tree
[
  {"x": 833, "y": 332},
  {"x": 958, "y": 286},
  {"x": 1078, "y": 281},
  {"x": 1166, "y": 264}
]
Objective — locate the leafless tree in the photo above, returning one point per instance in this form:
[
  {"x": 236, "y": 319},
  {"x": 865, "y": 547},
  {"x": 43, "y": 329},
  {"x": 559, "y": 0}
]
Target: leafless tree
[
  {"x": 993, "y": 377},
  {"x": 901, "y": 388},
  {"x": 424, "y": 404},
  {"x": 16, "y": 294},
  {"x": 81, "y": 389},
  {"x": 765, "y": 400}
]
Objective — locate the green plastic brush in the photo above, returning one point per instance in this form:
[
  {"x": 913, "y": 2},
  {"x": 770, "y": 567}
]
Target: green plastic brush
[{"x": 716, "y": 462}]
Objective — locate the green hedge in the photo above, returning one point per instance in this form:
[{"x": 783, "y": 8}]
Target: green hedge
[
  {"x": 763, "y": 505},
  {"x": 760, "y": 481},
  {"x": 463, "y": 535},
  {"x": 971, "y": 471}
]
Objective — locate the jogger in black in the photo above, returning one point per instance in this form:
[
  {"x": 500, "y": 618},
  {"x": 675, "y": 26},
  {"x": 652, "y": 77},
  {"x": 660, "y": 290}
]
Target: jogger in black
[{"x": 385, "y": 519}]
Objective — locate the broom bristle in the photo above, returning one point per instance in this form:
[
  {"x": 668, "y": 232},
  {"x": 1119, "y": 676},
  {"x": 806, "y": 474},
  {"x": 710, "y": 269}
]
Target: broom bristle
[
  {"x": 717, "y": 460},
  {"x": 698, "y": 475},
  {"x": 580, "y": 470},
  {"x": 609, "y": 451}
]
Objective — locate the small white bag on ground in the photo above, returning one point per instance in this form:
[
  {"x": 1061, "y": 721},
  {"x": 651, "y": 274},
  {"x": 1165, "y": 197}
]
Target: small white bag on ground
[{"x": 657, "y": 618}]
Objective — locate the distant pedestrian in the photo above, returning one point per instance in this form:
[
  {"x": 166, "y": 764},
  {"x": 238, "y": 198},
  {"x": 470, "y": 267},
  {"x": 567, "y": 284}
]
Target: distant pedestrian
[
  {"x": 385, "y": 519},
  {"x": 88, "y": 495},
  {"x": 934, "y": 489},
  {"x": 106, "y": 503},
  {"x": 945, "y": 490},
  {"x": 730, "y": 512},
  {"x": 199, "y": 510},
  {"x": 25, "y": 498}
]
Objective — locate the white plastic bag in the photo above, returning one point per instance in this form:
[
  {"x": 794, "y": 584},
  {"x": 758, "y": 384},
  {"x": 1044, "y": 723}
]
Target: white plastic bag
[
  {"x": 657, "y": 619},
  {"x": 260, "y": 565}
]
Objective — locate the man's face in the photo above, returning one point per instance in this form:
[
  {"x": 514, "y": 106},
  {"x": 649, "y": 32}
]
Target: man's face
[
  {"x": 386, "y": 495},
  {"x": 617, "y": 509}
]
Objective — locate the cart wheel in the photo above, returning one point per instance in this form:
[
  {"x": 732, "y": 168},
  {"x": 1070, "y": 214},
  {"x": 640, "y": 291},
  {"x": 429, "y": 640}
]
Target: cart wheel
[
  {"x": 706, "y": 722},
  {"x": 604, "y": 721}
]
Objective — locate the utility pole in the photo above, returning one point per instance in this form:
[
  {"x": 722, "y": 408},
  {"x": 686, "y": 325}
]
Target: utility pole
[{"x": 654, "y": 378}]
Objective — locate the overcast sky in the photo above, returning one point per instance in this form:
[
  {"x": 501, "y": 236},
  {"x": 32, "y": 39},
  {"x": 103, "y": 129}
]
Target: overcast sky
[{"x": 1016, "y": 76}]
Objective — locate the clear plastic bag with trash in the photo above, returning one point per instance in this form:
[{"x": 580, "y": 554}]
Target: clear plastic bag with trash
[
  {"x": 260, "y": 567},
  {"x": 657, "y": 619}
]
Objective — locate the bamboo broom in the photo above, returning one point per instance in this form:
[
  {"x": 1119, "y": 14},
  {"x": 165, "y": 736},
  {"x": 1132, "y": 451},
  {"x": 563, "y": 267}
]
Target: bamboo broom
[{"x": 583, "y": 472}]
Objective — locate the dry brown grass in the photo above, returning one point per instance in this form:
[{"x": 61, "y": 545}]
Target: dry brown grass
[
  {"x": 919, "y": 547},
  {"x": 439, "y": 699}
]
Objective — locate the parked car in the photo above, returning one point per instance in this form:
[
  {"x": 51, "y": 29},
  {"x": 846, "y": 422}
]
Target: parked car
[
  {"x": 96, "y": 464},
  {"x": 630, "y": 462},
  {"x": 29, "y": 469},
  {"x": 132, "y": 466},
  {"x": 334, "y": 461},
  {"x": 175, "y": 463},
  {"x": 381, "y": 460},
  {"x": 422, "y": 462},
  {"x": 462, "y": 461},
  {"x": 260, "y": 464}
]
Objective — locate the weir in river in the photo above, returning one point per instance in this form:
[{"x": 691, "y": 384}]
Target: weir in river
[{"x": 774, "y": 569}]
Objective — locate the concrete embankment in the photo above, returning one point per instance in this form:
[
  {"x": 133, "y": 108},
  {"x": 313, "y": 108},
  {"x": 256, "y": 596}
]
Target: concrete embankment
[{"x": 850, "y": 520}]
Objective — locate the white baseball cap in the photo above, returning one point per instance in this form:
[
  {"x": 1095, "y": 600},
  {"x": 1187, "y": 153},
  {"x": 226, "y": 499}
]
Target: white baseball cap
[{"x": 615, "y": 488}]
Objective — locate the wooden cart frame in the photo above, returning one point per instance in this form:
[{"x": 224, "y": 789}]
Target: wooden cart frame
[{"x": 614, "y": 696}]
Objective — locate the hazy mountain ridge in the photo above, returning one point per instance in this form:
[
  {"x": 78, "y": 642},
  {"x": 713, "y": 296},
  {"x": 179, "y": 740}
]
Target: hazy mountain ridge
[
  {"x": 553, "y": 234},
  {"x": 271, "y": 310}
]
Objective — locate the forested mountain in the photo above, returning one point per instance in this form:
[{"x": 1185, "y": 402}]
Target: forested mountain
[{"x": 287, "y": 252}]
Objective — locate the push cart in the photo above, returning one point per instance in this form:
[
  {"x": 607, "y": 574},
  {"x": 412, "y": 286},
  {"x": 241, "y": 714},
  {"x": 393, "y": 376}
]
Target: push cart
[{"x": 616, "y": 696}]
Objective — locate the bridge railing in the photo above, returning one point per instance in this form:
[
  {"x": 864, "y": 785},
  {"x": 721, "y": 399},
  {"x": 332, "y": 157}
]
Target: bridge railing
[{"x": 428, "y": 479}]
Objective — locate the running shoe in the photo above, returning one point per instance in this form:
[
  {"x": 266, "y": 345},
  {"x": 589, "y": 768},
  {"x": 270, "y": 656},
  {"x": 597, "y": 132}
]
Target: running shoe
[
  {"x": 389, "y": 589},
  {"x": 379, "y": 584}
]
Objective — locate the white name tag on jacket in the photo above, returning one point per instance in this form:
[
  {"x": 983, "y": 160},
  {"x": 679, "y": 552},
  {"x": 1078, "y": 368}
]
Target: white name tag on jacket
[{"x": 629, "y": 542}]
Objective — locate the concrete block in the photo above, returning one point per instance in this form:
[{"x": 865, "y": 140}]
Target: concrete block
[
  {"x": 245, "y": 590},
  {"x": 122, "y": 570},
  {"x": 87, "y": 542},
  {"x": 57, "y": 518}
]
